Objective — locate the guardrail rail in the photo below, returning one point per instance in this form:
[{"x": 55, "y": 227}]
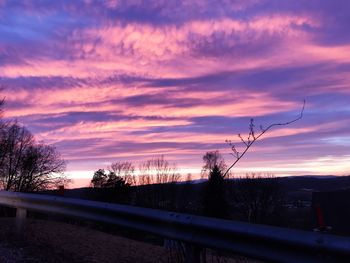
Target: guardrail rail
[{"x": 269, "y": 243}]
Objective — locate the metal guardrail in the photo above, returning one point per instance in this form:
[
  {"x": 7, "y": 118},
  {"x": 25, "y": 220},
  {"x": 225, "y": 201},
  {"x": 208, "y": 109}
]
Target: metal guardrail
[{"x": 262, "y": 242}]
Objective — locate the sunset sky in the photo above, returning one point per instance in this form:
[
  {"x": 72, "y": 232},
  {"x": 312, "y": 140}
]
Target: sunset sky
[{"x": 108, "y": 81}]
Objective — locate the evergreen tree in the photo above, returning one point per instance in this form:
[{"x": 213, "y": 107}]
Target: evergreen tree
[
  {"x": 99, "y": 179},
  {"x": 214, "y": 203}
]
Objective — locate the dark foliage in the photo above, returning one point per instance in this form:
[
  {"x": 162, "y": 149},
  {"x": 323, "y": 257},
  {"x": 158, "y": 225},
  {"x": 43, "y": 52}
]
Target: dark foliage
[
  {"x": 257, "y": 199},
  {"x": 167, "y": 196},
  {"x": 99, "y": 179},
  {"x": 115, "y": 181},
  {"x": 211, "y": 159},
  {"x": 124, "y": 170},
  {"x": 110, "y": 187},
  {"x": 214, "y": 200}
]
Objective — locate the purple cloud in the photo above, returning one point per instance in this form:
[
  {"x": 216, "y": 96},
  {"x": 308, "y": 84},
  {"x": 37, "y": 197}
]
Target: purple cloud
[{"x": 108, "y": 80}]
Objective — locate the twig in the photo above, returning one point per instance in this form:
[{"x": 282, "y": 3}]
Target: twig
[{"x": 252, "y": 137}]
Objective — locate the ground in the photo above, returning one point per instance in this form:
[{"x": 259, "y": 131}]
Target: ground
[{"x": 54, "y": 242}]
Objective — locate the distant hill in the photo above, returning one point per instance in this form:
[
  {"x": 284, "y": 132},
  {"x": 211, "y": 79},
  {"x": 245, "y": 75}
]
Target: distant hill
[
  {"x": 315, "y": 183},
  {"x": 289, "y": 184}
]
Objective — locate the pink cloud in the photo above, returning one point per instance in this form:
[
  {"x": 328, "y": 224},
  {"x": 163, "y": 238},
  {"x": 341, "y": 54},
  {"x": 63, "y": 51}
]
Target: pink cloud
[{"x": 171, "y": 75}]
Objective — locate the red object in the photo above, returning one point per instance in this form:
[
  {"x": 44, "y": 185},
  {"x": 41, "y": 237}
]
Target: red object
[
  {"x": 320, "y": 218},
  {"x": 61, "y": 190}
]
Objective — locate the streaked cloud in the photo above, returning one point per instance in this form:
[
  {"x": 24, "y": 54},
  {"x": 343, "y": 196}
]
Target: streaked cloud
[{"x": 109, "y": 80}]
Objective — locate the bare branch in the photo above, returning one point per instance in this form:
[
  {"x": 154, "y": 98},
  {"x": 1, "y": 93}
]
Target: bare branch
[
  {"x": 253, "y": 137},
  {"x": 240, "y": 136}
]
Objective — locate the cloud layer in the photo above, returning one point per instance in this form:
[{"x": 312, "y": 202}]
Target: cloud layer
[{"x": 115, "y": 80}]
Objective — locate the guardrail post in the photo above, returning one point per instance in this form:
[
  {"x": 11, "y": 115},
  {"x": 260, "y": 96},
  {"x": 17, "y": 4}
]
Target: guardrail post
[
  {"x": 21, "y": 215},
  {"x": 193, "y": 254}
]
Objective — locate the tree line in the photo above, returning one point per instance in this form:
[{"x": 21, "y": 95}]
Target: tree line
[
  {"x": 156, "y": 170},
  {"x": 156, "y": 183}
]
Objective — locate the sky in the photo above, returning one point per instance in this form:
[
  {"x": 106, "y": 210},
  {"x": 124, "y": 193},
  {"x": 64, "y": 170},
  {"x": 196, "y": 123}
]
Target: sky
[{"x": 108, "y": 81}]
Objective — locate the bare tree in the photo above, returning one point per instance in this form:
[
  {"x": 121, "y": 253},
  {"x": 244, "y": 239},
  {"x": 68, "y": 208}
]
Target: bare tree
[
  {"x": 189, "y": 178},
  {"x": 42, "y": 168},
  {"x": 160, "y": 176},
  {"x": 159, "y": 171},
  {"x": 253, "y": 136},
  {"x": 125, "y": 170},
  {"x": 212, "y": 159},
  {"x": 164, "y": 171},
  {"x": 4, "y": 145},
  {"x": 26, "y": 165},
  {"x": 144, "y": 178},
  {"x": 16, "y": 142},
  {"x": 1, "y": 105}
]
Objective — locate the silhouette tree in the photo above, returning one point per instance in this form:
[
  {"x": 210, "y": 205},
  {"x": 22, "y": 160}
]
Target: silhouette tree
[
  {"x": 1, "y": 105},
  {"x": 214, "y": 196},
  {"x": 215, "y": 193},
  {"x": 115, "y": 181},
  {"x": 161, "y": 177},
  {"x": 158, "y": 171},
  {"x": 125, "y": 170},
  {"x": 212, "y": 159},
  {"x": 41, "y": 168},
  {"x": 214, "y": 201},
  {"x": 99, "y": 179},
  {"x": 110, "y": 187},
  {"x": 26, "y": 165},
  {"x": 3, "y": 138}
]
